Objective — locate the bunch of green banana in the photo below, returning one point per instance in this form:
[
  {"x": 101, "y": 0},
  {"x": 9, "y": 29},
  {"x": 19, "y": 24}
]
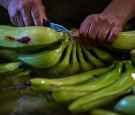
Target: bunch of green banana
[
  {"x": 95, "y": 84},
  {"x": 107, "y": 94},
  {"x": 103, "y": 55},
  {"x": 29, "y": 37},
  {"x": 62, "y": 64},
  {"x": 73, "y": 67},
  {"x": 56, "y": 60},
  {"x": 44, "y": 59},
  {"x": 97, "y": 63},
  {"x": 40, "y": 84},
  {"x": 84, "y": 65}
]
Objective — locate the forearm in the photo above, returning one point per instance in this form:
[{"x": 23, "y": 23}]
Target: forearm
[
  {"x": 122, "y": 10},
  {"x": 4, "y": 3}
]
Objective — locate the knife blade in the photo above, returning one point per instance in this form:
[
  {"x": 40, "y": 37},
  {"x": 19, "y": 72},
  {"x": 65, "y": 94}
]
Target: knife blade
[{"x": 58, "y": 28}]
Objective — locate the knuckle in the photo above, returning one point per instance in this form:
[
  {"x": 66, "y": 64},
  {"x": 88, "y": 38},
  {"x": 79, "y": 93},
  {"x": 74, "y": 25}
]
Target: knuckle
[{"x": 92, "y": 36}]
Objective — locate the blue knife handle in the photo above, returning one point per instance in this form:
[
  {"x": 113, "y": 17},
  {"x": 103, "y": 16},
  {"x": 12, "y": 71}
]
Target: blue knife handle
[{"x": 46, "y": 23}]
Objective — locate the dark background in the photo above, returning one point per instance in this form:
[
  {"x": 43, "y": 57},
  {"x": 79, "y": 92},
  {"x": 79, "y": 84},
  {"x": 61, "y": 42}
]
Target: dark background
[{"x": 69, "y": 13}]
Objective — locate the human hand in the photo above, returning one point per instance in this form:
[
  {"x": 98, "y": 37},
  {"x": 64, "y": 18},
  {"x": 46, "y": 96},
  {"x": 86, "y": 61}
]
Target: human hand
[
  {"x": 26, "y": 12},
  {"x": 98, "y": 29}
]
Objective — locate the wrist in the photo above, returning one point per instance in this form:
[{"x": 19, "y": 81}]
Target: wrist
[{"x": 5, "y": 3}]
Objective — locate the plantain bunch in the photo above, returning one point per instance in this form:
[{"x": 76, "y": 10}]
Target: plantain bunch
[
  {"x": 89, "y": 90},
  {"x": 49, "y": 52},
  {"x": 87, "y": 79}
]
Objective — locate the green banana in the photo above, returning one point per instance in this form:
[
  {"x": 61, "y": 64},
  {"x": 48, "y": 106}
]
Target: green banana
[
  {"x": 125, "y": 40},
  {"x": 44, "y": 59},
  {"x": 62, "y": 65},
  {"x": 74, "y": 64},
  {"x": 39, "y": 84},
  {"x": 99, "y": 82},
  {"x": 102, "y": 81},
  {"x": 103, "y": 55},
  {"x": 8, "y": 55},
  {"x": 121, "y": 86},
  {"x": 83, "y": 64},
  {"x": 28, "y": 37},
  {"x": 85, "y": 76},
  {"x": 102, "y": 112},
  {"x": 63, "y": 96},
  {"x": 7, "y": 67},
  {"x": 93, "y": 60},
  {"x": 71, "y": 80}
]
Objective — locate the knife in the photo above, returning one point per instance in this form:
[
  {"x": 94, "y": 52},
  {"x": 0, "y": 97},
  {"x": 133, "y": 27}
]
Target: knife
[{"x": 58, "y": 28}]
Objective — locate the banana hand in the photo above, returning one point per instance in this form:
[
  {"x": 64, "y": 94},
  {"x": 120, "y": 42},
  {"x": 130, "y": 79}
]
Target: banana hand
[
  {"x": 44, "y": 59},
  {"x": 94, "y": 100}
]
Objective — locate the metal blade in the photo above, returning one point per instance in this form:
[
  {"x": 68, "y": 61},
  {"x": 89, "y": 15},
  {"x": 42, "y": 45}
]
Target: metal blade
[{"x": 59, "y": 28}]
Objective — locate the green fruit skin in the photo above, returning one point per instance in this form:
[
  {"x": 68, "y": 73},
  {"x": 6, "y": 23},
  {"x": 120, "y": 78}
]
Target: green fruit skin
[
  {"x": 39, "y": 84},
  {"x": 83, "y": 89},
  {"x": 10, "y": 36},
  {"x": 101, "y": 81},
  {"x": 125, "y": 40},
  {"x": 83, "y": 64},
  {"x": 103, "y": 55},
  {"x": 62, "y": 64},
  {"x": 44, "y": 59},
  {"x": 74, "y": 64},
  {"x": 97, "y": 63},
  {"x": 85, "y": 76},
  {"x": 126, "y": 105},
  {"x": 121, "y": 86},
  {"x": 6, "y": 67},
  {"x": 102, "y": 112}
]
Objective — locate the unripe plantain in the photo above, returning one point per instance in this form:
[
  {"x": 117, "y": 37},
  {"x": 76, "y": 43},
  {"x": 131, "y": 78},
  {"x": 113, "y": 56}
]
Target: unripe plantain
[
  {"x": 70, "y": 80},
  {"x": 85, "y": 76},
  {"x": 39, "y": 84},
  {"x": 125, "y": 40},
  {"x": 99, "y": 82},
  {"x": 44, "y": 59},
  {"x": 74, "y": 64},
  {"x": 105, "y": 95},
  {"x": 28, "y": 37},
  {"x": 83, "y": 64},
  {"x": 97, "y": 63},
  {"x": 103, "y": 55},
  {"x": 62, "y": 64}
]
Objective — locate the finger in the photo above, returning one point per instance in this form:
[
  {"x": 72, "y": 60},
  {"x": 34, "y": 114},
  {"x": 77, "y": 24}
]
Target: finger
[
  {"x": 13, "y": 17},
  {"x": 83, "y": 31},
  {"x": 27, "y": 18},
  {"x": 104, "y": 31},
  {"x": 38, "y": 15},
  {"x": 14, "y": 21},
  {"x": 20, "y": 21},
  {"x": 113, "y": 35},
  {"x": 93, "y": 31}
]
